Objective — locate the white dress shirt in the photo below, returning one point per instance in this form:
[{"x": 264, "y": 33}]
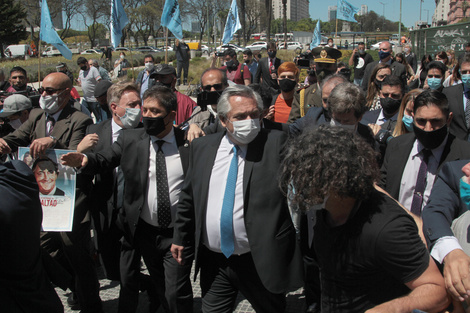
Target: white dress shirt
[
  {"x": 218, "y": 180},
  {"x": 116, "y": 130},
  {"x": 175, "y": 175},
  {"x": 410, "y": 173}
]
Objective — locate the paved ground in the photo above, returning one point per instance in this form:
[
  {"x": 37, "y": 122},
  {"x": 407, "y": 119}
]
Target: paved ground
[{"x": 109, "y": 292}]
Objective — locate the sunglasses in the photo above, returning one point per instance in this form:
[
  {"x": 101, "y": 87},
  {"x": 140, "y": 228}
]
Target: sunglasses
[
  {"x": 217, "y": 87},
  {"x": 49, "y": 91}
]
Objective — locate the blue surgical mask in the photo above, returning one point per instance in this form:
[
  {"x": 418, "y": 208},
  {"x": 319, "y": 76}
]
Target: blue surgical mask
[
  {"x": 466, "y": 80},
  {"x": 408, "y": 122},
  {"x": 383, "y": 54},
  {"x": 465, "y": 193},
  {"x": 434, "y": 83}
]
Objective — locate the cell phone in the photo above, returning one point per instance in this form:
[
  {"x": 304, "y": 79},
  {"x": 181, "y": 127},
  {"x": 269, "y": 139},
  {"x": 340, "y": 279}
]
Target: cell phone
[{"x": 205, "y": 98}]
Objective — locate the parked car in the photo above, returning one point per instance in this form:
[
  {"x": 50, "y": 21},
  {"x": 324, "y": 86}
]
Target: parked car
[
  {"x": 147, "y": 49},
  {"x": 375, "y": 46},
  {"x": 118, "y": 49},
  {"x": 52, "y": 51},
  {"x": 237, "y": 49},
  {"x": 91, "y": 51},
  {"x": 258, "y": 46},
  {"x": 205, "y": 49},
  {"x": 291, "y": 45}
]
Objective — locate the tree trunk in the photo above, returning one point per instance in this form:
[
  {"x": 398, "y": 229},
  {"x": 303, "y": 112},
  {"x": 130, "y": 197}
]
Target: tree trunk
[{"x": 269, "y": 6}]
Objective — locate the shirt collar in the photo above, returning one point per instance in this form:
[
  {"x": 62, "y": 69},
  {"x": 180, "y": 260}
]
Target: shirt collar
[
  {"x": 115, "y": 127},
  {"x": 227, "y": 145},
  {"x": 436, "y": 153},
  {"x": 56, "y": 115},
  {"x": 169, "y": 138}
]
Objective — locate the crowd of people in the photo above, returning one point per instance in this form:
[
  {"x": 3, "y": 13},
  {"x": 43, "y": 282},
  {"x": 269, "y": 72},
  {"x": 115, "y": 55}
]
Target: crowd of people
[{"x": 354, "y": 188}]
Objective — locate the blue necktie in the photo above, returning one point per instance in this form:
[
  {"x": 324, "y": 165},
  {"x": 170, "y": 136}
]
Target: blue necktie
[{"x": 226, "y": 216}]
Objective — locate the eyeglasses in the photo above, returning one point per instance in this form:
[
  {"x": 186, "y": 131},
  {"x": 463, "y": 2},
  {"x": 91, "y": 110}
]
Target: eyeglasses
[
  {"x": 49, "y": 91},
  {"x": 217, "y": 87}
]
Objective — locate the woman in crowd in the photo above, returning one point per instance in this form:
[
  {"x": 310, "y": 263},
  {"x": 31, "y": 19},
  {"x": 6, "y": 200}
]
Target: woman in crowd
[
  {"x": 405, "y": 119},
  {"x": 288, "y": 77},
  {"x": 121, "y": 65},
  {"x": 421, "y": 73},
  {"x": 410, "y": 74},
  {"x": 378, "y": 74}
]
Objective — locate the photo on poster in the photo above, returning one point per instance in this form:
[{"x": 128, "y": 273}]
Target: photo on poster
[{"x": 56, "y": 188}]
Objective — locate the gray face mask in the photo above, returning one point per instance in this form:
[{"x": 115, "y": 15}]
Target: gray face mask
[{"x": 131, "y": 118}]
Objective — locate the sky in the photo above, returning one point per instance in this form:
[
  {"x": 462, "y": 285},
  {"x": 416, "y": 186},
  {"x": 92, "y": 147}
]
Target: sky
[
  {"x": 410, "y": 9},
  {"x": 319, "y": 10}
]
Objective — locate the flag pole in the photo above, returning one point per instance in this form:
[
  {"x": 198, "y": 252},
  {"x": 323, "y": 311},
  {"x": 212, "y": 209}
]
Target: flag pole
[
  {"x": 39, "y": 63},
  {"x": 166, "y": 45},
  {"x": 132, "y": 63},
  {"x": 336, "y": 32}
]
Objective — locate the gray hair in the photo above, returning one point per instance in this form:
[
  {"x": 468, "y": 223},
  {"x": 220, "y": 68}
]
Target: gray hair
[
  {"x": 346, "y": 97},
  {"x": 336, "y": 78},
  {"x": 94, "y": 62},
  {"x": 116, "y": 90},
  {"x": 224, "y": 107}
]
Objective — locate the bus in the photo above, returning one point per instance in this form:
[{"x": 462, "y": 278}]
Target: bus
[
  {"x": 280, "y": 37},
  {"x": 255, "y": 36}
]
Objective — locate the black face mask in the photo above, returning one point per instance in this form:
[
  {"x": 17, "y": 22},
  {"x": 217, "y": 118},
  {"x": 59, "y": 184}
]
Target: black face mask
[
  {"x": 84, "y": 68},
  {"x": 154, "y": 125},
  {"x": 247, "y": 61},
  {"x": 163, "y": 85},
  {"x": 232, "y": 65},
  {"x": 390, "y": 105},
  {"x": 322, "y": 74},
  {"x": 272, "y": 54},
  {"x": 287, "y": 85},
  {"x": 431, "y": 139}
]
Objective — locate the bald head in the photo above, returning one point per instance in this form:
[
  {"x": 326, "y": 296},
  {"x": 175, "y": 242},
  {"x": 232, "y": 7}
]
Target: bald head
[
  {"x": 328, "y": 85},
  {"x": 61, "y": 84}
]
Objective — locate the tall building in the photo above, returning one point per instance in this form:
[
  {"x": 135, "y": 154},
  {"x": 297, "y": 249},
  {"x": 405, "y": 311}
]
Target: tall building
[
  {"x": 296, "y": 9},
  {"x": 332, "y": 13},
  {"x": 458, "y": 9},
  {"x": 440, "y": 13},
  {"x": 364, "y": 10}
]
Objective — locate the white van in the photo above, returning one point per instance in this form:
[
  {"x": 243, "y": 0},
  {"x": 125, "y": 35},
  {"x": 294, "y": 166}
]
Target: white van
[{"x": 18, "y": 51}]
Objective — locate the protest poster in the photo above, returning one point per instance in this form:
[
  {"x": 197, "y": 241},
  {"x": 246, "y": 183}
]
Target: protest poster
[{"x": 56, "y": 188}]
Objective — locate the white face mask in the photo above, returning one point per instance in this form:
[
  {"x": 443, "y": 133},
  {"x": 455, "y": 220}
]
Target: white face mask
[
  {"x": 121, "y": 56},
  {"x": 131, "y": 118},
  {"x": 351, "y": 128},
  {"x": 15, "y": 123},
  {"x": 245, "y": 131},
  {"x": 330, "y": 44},
  {"x": 50, "y": 104},
  {"x": 149, "y": 66}
]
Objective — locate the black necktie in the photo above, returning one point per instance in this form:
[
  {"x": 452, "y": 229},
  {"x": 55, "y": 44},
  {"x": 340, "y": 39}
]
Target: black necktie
[
  {"x": 420, "y": 187},
  {"x": 163, "y": 194}
]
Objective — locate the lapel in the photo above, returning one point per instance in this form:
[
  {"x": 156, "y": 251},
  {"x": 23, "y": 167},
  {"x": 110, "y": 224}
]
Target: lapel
[
  {"x": 183, "y": 146},
  {"x": 63, "y": 122},
  {"x": 460, "y": 104},
  {"x": 143, "y": 153},
  {"x": 254, "y": 154},
  {"x": 209, "y": 153},
  {"x": 402, "y": 153},
  {"x": 41, "y": 126},
  {"x": 448, "y": 154}
]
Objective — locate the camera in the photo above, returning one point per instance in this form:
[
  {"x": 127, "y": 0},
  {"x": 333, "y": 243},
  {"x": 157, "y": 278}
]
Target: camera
[
  {"x": 205, "y": 98},
  {"x": 303, "y": 60}
]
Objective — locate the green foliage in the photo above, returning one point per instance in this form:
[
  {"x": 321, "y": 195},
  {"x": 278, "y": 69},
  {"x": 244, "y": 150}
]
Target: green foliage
[{"x": 12, "y": 13}]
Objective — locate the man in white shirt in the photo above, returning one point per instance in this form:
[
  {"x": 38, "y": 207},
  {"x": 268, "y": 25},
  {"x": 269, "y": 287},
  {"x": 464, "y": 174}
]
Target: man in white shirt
[
  {"x": 88, "y": 77},
  {"x": 413, "y": 160}
]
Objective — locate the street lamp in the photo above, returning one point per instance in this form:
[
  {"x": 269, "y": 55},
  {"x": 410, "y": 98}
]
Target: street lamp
[{"x": 383, "y": 15}]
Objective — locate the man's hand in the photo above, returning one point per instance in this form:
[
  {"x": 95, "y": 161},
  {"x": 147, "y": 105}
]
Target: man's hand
[
  {"x": 375, "y": 128},
  {"x": 39, "y": 146},
  {"x": 74, "y": 159},
  {"x": 88, "y": 143},
  {"x": 194, "y": 132},
  {"x": 177, "y": 253},
  {"x": 270, "y": 114},
  {"x": 457, "y": 274},
  {"x": 4, "y": 147}
]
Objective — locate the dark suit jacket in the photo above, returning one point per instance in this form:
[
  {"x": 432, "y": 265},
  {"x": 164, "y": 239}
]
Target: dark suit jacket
[
  {"x": 398, "y": 70},
  {"x": 24, "y": 286},
  {"x": 131, "y": 152},
  {"x": 445, "y": 204},
  {"x": 398, "y": 151},
  {"x": 268, "y": 223},
  {"x": 69, "y": 129},
  {"x": 372, "y": 116},
  {"x": 458, "y": 126},
  {"x": 263, "y": 72}
]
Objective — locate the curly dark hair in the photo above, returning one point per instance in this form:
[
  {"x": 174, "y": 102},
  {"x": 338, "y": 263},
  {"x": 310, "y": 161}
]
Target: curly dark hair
[{"x": 328, "y": 159}]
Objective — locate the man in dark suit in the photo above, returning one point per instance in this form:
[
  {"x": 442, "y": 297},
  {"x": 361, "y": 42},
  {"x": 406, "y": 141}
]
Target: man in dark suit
[
  {"x": 59, "y": 125},
  {"x": 459, "y": 97},
  {"x": 244, "y": 237},
  {"x": 385, "y": 56},
  {"x": 24, "y": 286},
  {"x": 267, "y": 69},
  {"x": 413, "y": 160},
  {"x": 446, "y": 209},
  {"x": 153, "y": 161},
  {"x": 120, "y": 263}
]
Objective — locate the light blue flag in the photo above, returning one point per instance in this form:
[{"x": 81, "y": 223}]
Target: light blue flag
[
  {"x": 48, "y": 33},
  {"x": 232, "y": 24},
  {"x": 346, "y": 11},
  {"x": 118, "y": 22},
  {"x": 171, "y": 18},
  {"x": 316, "y": 38}
]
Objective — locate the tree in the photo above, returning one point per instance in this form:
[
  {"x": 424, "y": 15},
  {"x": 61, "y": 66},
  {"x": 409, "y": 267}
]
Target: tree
[
  {"x": 95, "y": 10},
  {"x": 70, "y": 8},
  {"x": 253, "y": 16},
  {"x": 12, "y": 30}
]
